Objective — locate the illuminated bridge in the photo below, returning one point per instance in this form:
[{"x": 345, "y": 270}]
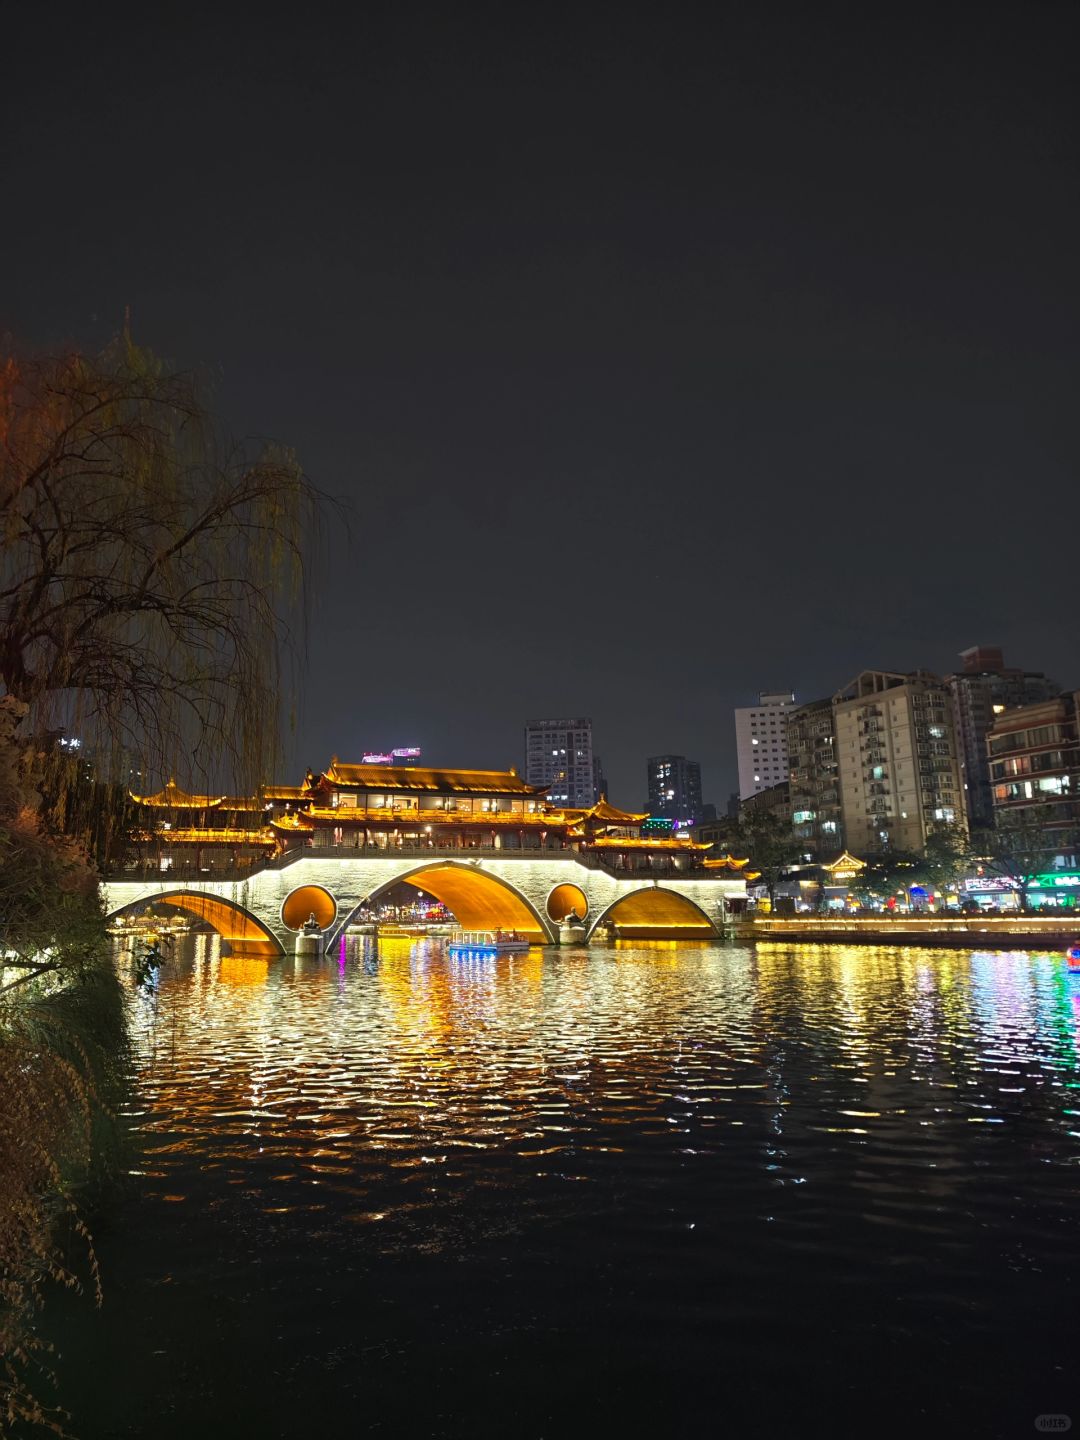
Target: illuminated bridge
[
  {"x": 262, "y": 914},
  {"x": 484, "y": 843}
]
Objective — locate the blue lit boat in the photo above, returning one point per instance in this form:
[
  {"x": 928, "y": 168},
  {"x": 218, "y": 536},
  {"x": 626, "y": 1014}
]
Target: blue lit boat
[
  {"x": 486, "y": 942},
  {"x": 1072, "y": 955}
]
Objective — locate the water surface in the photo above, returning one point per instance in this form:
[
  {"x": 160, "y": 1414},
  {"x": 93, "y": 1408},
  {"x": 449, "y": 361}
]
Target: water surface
[{"x": 655, "y": 1190}]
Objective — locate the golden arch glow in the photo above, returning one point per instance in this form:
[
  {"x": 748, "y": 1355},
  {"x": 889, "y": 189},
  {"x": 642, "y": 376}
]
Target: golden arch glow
[
  {"x": 565, "y": 898},
  {"x": 245, "y": 969},
  {"x": 479, "y": 901},
  {"x": 650, "y": 914},
  {"x": 307, "y": 901},
  {"x": 244, "y": 934}
]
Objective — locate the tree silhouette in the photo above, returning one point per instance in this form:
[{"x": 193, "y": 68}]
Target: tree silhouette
[
  {"x": 1021, "y": 847},
  {"x": 152, "y": 572}
]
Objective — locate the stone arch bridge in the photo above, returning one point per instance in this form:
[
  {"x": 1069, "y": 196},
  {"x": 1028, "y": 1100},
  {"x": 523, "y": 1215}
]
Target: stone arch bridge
[{"x": 529, "y": 893}]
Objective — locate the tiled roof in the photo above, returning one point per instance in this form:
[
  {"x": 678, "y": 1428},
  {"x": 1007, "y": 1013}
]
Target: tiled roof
[{"x": 442, "y": 782}]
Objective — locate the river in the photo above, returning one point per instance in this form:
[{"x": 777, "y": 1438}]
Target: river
[{"x": 646, "y": 1189}]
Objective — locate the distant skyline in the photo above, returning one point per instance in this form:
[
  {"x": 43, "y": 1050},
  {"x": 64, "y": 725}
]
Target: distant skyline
[
  {"x": 661, "y": 365},
  {"x": 508, "y": 749}
]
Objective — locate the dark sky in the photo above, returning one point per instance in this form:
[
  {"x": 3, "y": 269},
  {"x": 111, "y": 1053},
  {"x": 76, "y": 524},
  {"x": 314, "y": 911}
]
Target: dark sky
[{"x": 664, "y": 359}]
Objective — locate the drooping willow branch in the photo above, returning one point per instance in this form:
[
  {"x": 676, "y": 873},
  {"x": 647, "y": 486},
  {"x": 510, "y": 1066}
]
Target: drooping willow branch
[{"x": 153, "y": 573}]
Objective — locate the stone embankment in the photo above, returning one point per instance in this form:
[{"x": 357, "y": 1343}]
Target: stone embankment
[{"x": 981, "y": 932}]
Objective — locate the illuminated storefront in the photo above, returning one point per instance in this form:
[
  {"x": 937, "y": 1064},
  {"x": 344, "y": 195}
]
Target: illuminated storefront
[{"x": 1057, "y": 889}]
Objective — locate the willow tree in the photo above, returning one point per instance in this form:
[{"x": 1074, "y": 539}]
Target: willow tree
[
  {"x": 152, "y": 575},
  {"x": 152, "y": 570}
]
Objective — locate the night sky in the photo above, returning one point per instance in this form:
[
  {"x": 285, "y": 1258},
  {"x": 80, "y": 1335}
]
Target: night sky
[{"x": 663, "y": 359}]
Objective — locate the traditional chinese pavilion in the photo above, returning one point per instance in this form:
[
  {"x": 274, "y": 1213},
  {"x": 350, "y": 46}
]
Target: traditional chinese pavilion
[{"x": 396, "y": 807}]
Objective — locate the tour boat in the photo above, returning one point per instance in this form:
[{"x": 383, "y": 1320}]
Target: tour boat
[
  {"x": 486, "y": 942},
  {"x": 1072, "y": 955}
]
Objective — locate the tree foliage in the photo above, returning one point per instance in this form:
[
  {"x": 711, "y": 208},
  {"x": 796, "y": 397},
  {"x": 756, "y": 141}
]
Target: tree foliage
[
  {"x": 886, "y": 875},
  {"x": 1020, "y": 847},
  {"x": 152, "y": 572},
  {"x": 62, "y": 1049},
  {"x": 152, "y": 582},
  {"x": 946, "y": 858},
  {"x": 771, "y": 845}
]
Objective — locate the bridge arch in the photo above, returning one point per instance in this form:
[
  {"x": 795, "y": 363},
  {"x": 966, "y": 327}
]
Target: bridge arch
[
  {"x": 246, "y": 934},
  {"x": 654, "y": 912},
  {"x": 477, "y": 899},
  {"x": 307, "y": 900},
  {"x": 567, "y": 898}
]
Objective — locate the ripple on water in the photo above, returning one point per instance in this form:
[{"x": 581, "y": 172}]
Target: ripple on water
[{"x": 679, "y": 1157}]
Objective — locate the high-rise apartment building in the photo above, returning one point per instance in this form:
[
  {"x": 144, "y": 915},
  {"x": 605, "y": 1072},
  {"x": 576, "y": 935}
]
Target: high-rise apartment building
[
  {"x": 559, "y": 754},
  {"x": 814, "y": 782},
  {"x": 1034, "y": 755},
  {"x": 896, "y": 759},
  {"x": 761, "y": 741},
  {"x": 982, "y": 690},
  {"x": 675, "y": 788}
]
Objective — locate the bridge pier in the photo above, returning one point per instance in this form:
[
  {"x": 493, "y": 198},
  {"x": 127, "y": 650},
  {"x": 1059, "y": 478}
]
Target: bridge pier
[{"x": 309, "y": 945}]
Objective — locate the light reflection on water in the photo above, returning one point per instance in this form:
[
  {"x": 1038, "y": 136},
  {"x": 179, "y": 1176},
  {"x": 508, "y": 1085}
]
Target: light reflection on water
[{"x": 651, "y": 1151}]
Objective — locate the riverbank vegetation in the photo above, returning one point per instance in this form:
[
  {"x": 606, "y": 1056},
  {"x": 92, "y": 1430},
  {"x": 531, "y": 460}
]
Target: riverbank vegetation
[{"x": 62, "y": 1061}]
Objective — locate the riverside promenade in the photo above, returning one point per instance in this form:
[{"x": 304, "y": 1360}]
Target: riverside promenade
[{"x": 993, "y": 932}]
